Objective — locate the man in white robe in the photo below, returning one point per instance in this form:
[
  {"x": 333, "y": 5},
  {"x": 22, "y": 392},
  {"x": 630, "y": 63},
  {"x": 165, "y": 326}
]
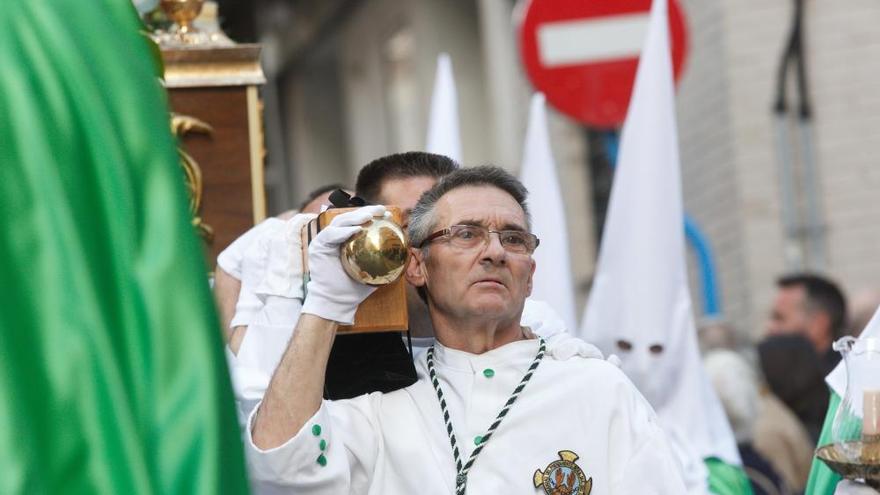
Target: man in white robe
[{"x": 506, "y": 412}]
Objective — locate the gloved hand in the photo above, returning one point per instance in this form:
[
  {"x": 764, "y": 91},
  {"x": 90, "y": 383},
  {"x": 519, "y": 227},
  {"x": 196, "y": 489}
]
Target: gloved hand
[
  {"x": 564, "y": 346},
  {"x": 331, "y": 293}
]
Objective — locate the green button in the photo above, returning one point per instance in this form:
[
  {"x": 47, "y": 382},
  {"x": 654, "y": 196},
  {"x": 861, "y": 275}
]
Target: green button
[
  {"x": 322, "y": 444},
  {"x": 488, "y": 372},
  {"x": 478, "y": 440},
  {"x": 316, "y": 430},
  {"x": 322, "y": 460}
]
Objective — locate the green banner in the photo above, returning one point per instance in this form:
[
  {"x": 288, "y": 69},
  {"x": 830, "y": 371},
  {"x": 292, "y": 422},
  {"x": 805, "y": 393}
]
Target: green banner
[{"x": 112, "y": 374}]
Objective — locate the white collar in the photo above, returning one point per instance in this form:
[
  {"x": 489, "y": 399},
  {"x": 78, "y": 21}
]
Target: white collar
[{"x": 521, "y": 352}]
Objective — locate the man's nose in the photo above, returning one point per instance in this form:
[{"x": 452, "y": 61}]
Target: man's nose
[{"x": 493, "y": 250}]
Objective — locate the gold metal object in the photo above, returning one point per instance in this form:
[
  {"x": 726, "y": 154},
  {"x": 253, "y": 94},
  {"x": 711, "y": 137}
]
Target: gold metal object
[
  {"x": 257, "y": 155},
  {"x": 182, "y": 12},
  {"x": 209, "y": 66},
  {"x": 377, "y": 255},
  {"x": 195, "y": 25},
  {"x": 237, "y": 65},
  {"x": 180, "y": 125},
  {"x": 865, "y": 465}
]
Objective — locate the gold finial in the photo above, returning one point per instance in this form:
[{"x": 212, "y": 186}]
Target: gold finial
[
  {"x": 377, "y": 255},
  {"x": 183, "y": 13}
]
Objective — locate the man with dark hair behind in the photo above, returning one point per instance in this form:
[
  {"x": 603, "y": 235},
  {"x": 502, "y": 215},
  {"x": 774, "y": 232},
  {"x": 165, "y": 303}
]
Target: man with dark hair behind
[
  {"x": 812, "y": 306},
  {"x": 359, "y": 363},
  {"x": 402, "y": 176}
]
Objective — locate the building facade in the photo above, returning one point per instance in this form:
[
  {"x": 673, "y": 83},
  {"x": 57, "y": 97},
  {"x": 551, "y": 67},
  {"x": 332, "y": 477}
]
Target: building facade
[{"x": 351, "y": 80}]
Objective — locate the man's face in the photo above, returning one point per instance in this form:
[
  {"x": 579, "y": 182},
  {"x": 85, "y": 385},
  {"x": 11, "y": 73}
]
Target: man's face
[
  {"x": 405, "y": 192},
  {"x": 789, "y": 313},
  {"x": 483, "y": 282}
]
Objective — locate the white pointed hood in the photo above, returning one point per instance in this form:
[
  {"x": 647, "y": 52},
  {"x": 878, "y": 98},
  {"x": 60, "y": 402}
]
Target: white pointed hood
[
  {"x": 640, "y": 293},
  {"x": 837, "y": 378},
  {"x": 553, "y": 281},
  {"x": 444, "y": 137}
]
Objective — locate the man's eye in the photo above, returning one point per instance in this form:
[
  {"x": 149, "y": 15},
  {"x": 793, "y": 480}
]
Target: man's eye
[
  {"x": 514, "y": 239},
  {"x": 466, "y": 234}
]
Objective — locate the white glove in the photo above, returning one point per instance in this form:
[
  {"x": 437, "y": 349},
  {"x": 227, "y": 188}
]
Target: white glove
[
  {"x": 331, "y": 293},
  {"x": 847, "y": 487},
  {"x": 564, "y": 346}
]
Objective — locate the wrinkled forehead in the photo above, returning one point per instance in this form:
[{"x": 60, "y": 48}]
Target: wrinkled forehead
[{"x": 487, "y": 206}]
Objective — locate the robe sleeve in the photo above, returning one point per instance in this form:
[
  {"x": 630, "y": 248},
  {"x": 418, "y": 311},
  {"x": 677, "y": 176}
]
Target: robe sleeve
[
  {"x": 230, "y": 259},
  {"x": 335, "y": 451},
  {"x": 648, "y": 465},
  {"x": 651, "y": 469}
]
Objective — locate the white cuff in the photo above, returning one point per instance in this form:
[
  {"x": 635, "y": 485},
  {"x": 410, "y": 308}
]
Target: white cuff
[{"x": 307, "y": 455}]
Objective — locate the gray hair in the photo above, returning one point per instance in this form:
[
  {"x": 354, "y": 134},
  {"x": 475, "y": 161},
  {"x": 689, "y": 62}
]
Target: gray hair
[{"x": 422, "y": 221}]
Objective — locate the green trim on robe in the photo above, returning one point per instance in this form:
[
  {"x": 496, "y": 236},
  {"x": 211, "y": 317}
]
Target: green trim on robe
[
  {"x": 822, "y": 479},
  {"x": 727, "y": 479}
]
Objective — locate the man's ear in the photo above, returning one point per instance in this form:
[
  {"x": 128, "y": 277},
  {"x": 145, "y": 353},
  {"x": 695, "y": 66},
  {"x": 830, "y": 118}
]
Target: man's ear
[
  {"x": 819, "y": 329},
  {"x": 415, "y": 269},
  {"x": 531, "y": 278}
]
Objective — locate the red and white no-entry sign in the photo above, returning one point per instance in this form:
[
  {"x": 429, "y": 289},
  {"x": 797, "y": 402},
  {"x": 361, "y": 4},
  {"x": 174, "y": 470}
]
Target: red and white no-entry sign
[{"x": 583, "y": 54}]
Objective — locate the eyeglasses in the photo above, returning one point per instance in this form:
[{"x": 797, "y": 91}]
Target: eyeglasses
[{"x": 471, "y": 236}]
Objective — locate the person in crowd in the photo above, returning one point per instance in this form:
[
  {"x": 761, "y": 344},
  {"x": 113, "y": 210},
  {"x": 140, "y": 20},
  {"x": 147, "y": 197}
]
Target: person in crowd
[
  {"x": 495, "y": 408},
  {"x": 777, "y": 434},
  {"x": 812, "y": 306},
  {"x": 362, "y": 363},
  {"x": 230, "y": 272},
  {"x": 737, "y": 386},
  {"x": 796, "y": 375},
  {"x": 716, "y": 334},
  {"x": 266, "y": 314}
]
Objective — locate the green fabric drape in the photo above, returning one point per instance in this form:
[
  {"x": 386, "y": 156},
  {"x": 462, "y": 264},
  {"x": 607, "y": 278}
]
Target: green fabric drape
[{"x": 112, "y": 374}]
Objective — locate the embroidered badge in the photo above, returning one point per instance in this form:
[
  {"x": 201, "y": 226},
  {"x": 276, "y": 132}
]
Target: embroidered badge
[{"x": 564, "y": 477}]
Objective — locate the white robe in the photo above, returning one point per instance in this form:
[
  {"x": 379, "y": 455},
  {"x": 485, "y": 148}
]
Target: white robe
[{"x": 396, "y": 443}]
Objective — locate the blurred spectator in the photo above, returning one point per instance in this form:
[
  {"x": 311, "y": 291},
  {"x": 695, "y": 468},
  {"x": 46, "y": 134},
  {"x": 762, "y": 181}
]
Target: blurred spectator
[
  {"x": 795, "y": 374},
  {"x": 737, "y": 386},
  {"x": 778, "y": 435},
  {"x": 812, "y": 306},
  {"x": 863, "y": 307},
  {"x": 781, "y": 438},
  {"x": 315, "y": 201},
  {"x": 716, "y": 334}
]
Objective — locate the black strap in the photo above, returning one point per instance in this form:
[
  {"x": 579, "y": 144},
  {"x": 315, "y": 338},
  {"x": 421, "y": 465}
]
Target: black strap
[{"x": 341, "y": 199}]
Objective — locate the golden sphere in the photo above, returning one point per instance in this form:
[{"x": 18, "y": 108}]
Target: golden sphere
[{"x": 377, "y": 254}]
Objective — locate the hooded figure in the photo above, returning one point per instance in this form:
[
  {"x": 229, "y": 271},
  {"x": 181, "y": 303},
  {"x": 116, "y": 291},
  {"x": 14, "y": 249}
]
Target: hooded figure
[{"x": 639, "y": 306}]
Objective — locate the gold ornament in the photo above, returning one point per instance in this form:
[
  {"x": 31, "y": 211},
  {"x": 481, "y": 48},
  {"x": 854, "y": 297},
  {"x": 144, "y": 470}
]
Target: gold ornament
[{"x": 377, "y": 254}]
